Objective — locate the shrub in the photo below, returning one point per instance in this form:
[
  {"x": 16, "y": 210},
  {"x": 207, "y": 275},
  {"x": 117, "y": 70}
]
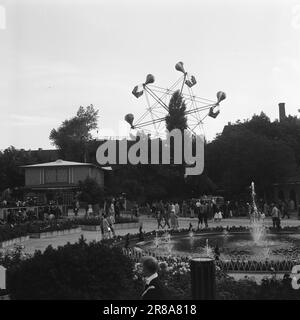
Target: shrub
[
  {"x": 74, "y": 271},
  {"x": 90, "y": 191},
  {"x": 11, "y": 257},
  {"x": 49, "y": 226},
  {"x": 8, "y": 232}
]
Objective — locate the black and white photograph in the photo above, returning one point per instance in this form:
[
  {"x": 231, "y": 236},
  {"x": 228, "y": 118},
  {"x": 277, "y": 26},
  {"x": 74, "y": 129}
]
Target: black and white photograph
[{"x": 149, "y": 153}]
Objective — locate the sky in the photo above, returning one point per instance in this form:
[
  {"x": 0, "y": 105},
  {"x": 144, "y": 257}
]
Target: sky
[{"x": 58, "y": 55}]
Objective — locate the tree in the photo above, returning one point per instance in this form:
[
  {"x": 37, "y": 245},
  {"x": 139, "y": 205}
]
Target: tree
[
  {"x": 74, "y": 271},
  {"x": 90, "y": 191},
  {"x": 255, "y": 150},
  {"x": 176, "y": 118},
  {"x": 73, "y": 135},
  {"x": 11, "y": 175}
]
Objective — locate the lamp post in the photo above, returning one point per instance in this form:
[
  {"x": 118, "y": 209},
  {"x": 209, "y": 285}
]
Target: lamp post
[{"x": 203, "y": 278}]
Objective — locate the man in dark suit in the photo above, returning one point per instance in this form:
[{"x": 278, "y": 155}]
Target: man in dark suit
[{"x": 154, "y": 290}]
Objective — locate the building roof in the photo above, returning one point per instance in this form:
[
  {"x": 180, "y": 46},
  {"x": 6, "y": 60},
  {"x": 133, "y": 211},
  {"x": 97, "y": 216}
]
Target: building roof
[
  {"x": 63, "y": 163},
  {"x": 58, "y": 163}
]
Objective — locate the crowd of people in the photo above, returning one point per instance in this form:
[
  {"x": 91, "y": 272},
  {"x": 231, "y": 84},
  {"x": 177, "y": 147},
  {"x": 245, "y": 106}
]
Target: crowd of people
[
  {"x": 25, "y": 214},
  {"x": 168, "y": 212},
  {"x": 165, "y": 212},
  {"x": 276, "y": 210},
  {"x": 15, "y": 203}
]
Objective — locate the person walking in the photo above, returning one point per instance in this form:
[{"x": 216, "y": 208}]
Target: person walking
[
  {"x": 101, "y": 226},
  {"x": 111, "y": 220},
  {"x": 192, "y": 209},
  {"x": 154, "y": 208},
  {"x": 284, "y": 210},
  {"x": 89, "y": 211},
  {"x": 205, "y": 213},
  {"x": 173, "y": 220},
  {"x": 275, "y": 216},
  {"x": 177, "y": 209},
  {"x": 167, "y": 213},
  {"x": 199, "y": 213},
  {"x": 266, "y": 209},
  {"x": 159, "y": 214},
  {"x": 112, "y": 208},
  {"x": 117, "y": 209},
  {"x": 250, "y": 212},
  {"x": 106, "y": 228},
  {"x": 174, "y": 217}
]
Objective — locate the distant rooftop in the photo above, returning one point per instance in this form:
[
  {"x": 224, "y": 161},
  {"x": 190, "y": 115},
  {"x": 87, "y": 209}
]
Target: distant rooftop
[
  {"x": 63, "y": 163},
  {"x": 58, "y": 163}
]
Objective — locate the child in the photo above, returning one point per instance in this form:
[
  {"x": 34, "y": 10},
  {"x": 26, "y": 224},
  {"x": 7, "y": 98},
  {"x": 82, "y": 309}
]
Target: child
[{"x": 218, "y": 216}]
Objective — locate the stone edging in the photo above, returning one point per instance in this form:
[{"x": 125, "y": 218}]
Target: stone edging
[
  {"x": 42, "y": 235},
  {"x": 117, "y": 226},
  {"x": 11, "y": 242}
]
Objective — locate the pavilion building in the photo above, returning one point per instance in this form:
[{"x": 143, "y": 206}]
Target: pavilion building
[{"x": 59, "y": 180}]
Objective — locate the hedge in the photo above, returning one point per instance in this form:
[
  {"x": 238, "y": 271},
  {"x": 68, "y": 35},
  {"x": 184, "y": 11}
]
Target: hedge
[
  {"x": 74, "y": 271},
  {"x": 10, "y": 231}
]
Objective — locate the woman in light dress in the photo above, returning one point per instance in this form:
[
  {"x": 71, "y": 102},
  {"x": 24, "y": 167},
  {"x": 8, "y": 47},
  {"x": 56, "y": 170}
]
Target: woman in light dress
[
  {"x": 111, "y": 221},
  {"x": 89, "y": 210},
  {"x": 173, "y": 217},
  {"x": 106, "y": 228}
]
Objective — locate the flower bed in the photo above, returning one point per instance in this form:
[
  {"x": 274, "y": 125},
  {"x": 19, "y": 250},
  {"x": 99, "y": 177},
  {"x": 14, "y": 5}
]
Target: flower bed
[
  {"x": 175, "y": 273},
  {"x": 50, "y": 226},
  {"x": 9, "y": 232},
  {"x": 13, "y": 256}
]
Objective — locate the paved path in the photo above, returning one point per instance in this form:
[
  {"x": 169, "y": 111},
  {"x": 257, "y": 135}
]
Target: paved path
[{"x": 149, "y": 224}]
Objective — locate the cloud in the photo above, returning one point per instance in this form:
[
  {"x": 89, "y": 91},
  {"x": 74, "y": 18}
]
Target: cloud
[
  {"x": 23, "y": 120},
  {"x": 2, "y": 18}
]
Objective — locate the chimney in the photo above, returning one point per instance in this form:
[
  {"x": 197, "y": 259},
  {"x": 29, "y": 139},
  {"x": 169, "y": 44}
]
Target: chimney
[{"x": 282, "y": 115}]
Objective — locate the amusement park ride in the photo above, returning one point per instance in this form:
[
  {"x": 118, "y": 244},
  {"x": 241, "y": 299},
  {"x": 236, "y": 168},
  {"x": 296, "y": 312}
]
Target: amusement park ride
[{"x": 152, "y": 121}]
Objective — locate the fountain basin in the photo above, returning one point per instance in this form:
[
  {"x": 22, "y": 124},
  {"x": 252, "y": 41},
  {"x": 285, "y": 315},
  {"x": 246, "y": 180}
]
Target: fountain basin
[{"x": 276, "y": 246}]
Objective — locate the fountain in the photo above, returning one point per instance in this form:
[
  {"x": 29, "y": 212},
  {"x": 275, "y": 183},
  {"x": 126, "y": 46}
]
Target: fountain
[
  {"x": 258, "y": 229},
  {"x": 163, "y": 241},
  {"x": 260, "y": 244},
  {"x": 168, "y": 242},
  {"x": 207, "y": 251}
]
